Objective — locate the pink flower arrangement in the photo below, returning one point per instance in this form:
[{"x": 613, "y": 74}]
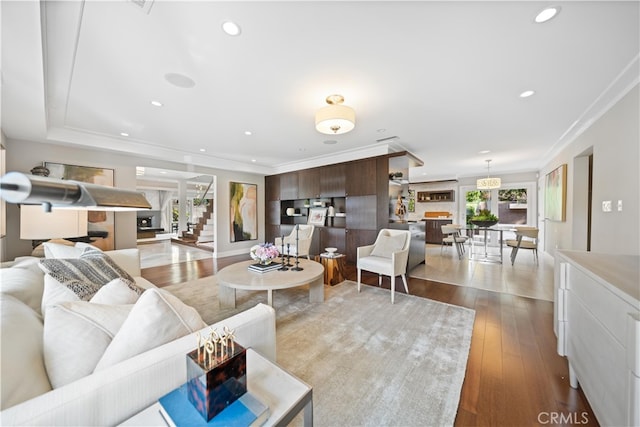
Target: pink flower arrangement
[{"x": 264, "y": 252}]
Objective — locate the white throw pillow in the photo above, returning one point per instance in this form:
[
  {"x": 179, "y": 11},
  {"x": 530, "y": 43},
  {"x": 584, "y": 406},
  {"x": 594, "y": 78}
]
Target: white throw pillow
[
  {"x": 22, "y": 369},
  {"x": 55, "y": 293},
  {"x": 76, "y": 335},
  {"x": 387, "y": 245},
  {"x": 156, "y": 318},
  {"x": 24, "y": 284},
  {"x": 28, "y": 263},
  {"x": 61, "y": 250},
  {"x": 116, "y": 291}
]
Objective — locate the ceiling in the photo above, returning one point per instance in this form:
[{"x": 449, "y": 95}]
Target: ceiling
[{"x": 439, "y": 79}]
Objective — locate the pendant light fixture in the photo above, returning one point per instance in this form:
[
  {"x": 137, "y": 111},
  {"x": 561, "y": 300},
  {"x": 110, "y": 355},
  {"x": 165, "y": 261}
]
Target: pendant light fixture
[
  {"x": 335, "y": 118},
  {"x": 488, "y": 183}
]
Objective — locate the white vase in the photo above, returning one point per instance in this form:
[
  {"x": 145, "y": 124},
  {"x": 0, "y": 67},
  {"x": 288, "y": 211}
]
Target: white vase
[
  {"x": 291, "y": 211},
  {"x": 331, "y": 211}
]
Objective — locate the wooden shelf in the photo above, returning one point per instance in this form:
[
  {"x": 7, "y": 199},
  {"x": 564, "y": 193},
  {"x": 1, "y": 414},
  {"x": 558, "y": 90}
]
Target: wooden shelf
[{"x": 436, "y": 196}]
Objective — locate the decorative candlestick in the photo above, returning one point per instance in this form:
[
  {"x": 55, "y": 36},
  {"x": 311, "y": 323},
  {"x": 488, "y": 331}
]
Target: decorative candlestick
[
  {"x": 289, "y": 255},
  {"x": 283, "y": 267},
  {"x": 297, "y": 267}
]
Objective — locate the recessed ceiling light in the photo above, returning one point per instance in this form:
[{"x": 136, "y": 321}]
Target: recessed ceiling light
[
  {"x": 163, "y": 172},
  {"x": 180, "y": 80},
  {"x": 124, "y": 134},
  {"x": 247, "y": 132},
  {"x": 203, "y": 150},
  {"x": 546, "y": 14},
  {"x": 484, "y": 152},
  {"x": 156, "y": 103},
  {"x": 231, "y": 28},
  {"x": 253, "y": 160},
  {"x": 527, "y": 93},
  {"x": 381, "y": 130},
  {"x": 330, "y": 141}
]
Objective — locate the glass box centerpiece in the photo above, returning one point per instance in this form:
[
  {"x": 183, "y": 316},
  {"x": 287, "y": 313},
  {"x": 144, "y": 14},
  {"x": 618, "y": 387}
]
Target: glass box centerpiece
[{"x": 216, "y": 373}]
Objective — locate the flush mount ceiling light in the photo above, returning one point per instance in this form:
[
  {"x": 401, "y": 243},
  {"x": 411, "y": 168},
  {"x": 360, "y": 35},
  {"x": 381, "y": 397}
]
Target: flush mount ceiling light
[
  {"x": 488, "y": 183},
  {"x": 50, "y": 192},
  {"x": 546, "y": 14},
  {"x": 527, "y": 93},
  {"x": 335, "y": 118}
]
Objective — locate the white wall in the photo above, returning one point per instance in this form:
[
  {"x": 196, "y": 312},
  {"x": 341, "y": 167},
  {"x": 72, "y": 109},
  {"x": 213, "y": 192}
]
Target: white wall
[
  {"x": 614, "y": 140},
  {"x": 22, "y": 156}
]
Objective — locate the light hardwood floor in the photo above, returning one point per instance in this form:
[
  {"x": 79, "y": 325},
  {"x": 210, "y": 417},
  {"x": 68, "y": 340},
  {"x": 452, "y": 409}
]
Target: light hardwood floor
[{"x": 514, "y": 376}]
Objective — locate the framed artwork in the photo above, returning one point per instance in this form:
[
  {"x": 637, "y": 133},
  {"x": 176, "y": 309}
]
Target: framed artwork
[
  {"x": 101, "y": 226},
  {"x": 243, "y": 211},
  {"x": 555, "y": 194},
  {"x": 317, "y": 216}
]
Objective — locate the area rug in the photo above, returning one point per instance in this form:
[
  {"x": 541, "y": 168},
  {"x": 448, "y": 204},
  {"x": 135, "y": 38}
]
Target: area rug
[{"x": 370, "y": 363}]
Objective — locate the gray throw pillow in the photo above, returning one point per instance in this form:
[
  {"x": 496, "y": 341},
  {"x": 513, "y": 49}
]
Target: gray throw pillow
[{"x": 88, "y": 273}]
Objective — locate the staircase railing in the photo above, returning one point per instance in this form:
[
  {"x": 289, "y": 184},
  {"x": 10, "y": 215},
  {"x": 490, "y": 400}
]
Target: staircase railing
[{"x": 203, "y": 197}]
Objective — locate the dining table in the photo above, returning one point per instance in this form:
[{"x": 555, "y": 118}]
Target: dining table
[{"x": 481, "y": 252}]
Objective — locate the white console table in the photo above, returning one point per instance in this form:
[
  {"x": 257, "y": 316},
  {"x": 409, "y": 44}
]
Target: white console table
[{"x": 597, "y": 322}]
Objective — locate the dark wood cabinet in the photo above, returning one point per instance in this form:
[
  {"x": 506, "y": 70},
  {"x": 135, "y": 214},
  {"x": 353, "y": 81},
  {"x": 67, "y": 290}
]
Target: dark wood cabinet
[
  {"x": 289, "y": 186},
  {"x": 332, "y": 180},
  {"x": 361, "y": 177},
  {"x": 272, "y": 187},
  {"x": 272, "y": 211},
  {"x": 433, "y": 230},
  {"x": 358, "y": 190},
  {"x": 309, "y": 183},
  {"x": 331, "y": 237},
  {"x": 362, "y": 212}
]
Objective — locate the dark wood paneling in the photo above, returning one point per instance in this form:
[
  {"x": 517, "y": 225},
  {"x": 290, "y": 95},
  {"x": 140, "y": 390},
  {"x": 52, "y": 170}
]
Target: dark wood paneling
[
  {"x": 362, "y": 212},
  {"x": 272, "y": 209},
  {"x": 271, "y": 232},
  {"x": 333, "y": 238},
  {"x": 357, "y": 238},
  {"x": 309, "y": 183},
  {"x": 272, "y": 187},
  {"x": 332, "y": 180},
  {"x": 289, "y": 186},
  {"x": 361, "y": 177}
]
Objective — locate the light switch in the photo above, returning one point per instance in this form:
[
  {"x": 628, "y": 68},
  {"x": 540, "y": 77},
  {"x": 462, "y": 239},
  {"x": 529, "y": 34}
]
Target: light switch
[
  {"x": 606, "y": 206},
  {"x": 619, "y": 205}
]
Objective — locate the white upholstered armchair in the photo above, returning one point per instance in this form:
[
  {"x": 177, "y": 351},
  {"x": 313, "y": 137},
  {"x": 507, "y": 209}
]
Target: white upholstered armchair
[
  {"x": 305, "y": 234},
  {"x": 387, "y": 256}
]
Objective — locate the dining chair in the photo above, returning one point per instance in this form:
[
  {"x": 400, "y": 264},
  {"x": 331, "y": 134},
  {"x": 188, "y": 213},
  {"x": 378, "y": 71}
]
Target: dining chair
[
  {"x": 451, "y": 236},
  {"x": 526, "y": 238},
  {"x": 388, "y": 256}
]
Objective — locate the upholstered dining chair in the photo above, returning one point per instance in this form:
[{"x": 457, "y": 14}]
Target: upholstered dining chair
[
  {"x": 451, "y": 236},
  {"x": 526, "y": 238},
  {"x": 305, "y": 235},
  {"x": 388, "y": 256}
]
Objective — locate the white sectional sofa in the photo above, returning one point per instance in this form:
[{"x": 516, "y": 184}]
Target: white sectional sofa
[{"x": 115, "y": 392}]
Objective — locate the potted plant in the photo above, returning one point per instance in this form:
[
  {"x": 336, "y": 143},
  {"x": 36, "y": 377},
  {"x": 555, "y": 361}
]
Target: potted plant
[{"x": 484, "y": 218}]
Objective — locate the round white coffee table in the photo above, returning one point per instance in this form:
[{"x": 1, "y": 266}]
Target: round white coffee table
[{"x": 237, "y": 276}]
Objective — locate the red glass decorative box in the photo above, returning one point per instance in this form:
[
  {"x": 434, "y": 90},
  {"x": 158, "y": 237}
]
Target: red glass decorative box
[{"x": 214, "y": 381}]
